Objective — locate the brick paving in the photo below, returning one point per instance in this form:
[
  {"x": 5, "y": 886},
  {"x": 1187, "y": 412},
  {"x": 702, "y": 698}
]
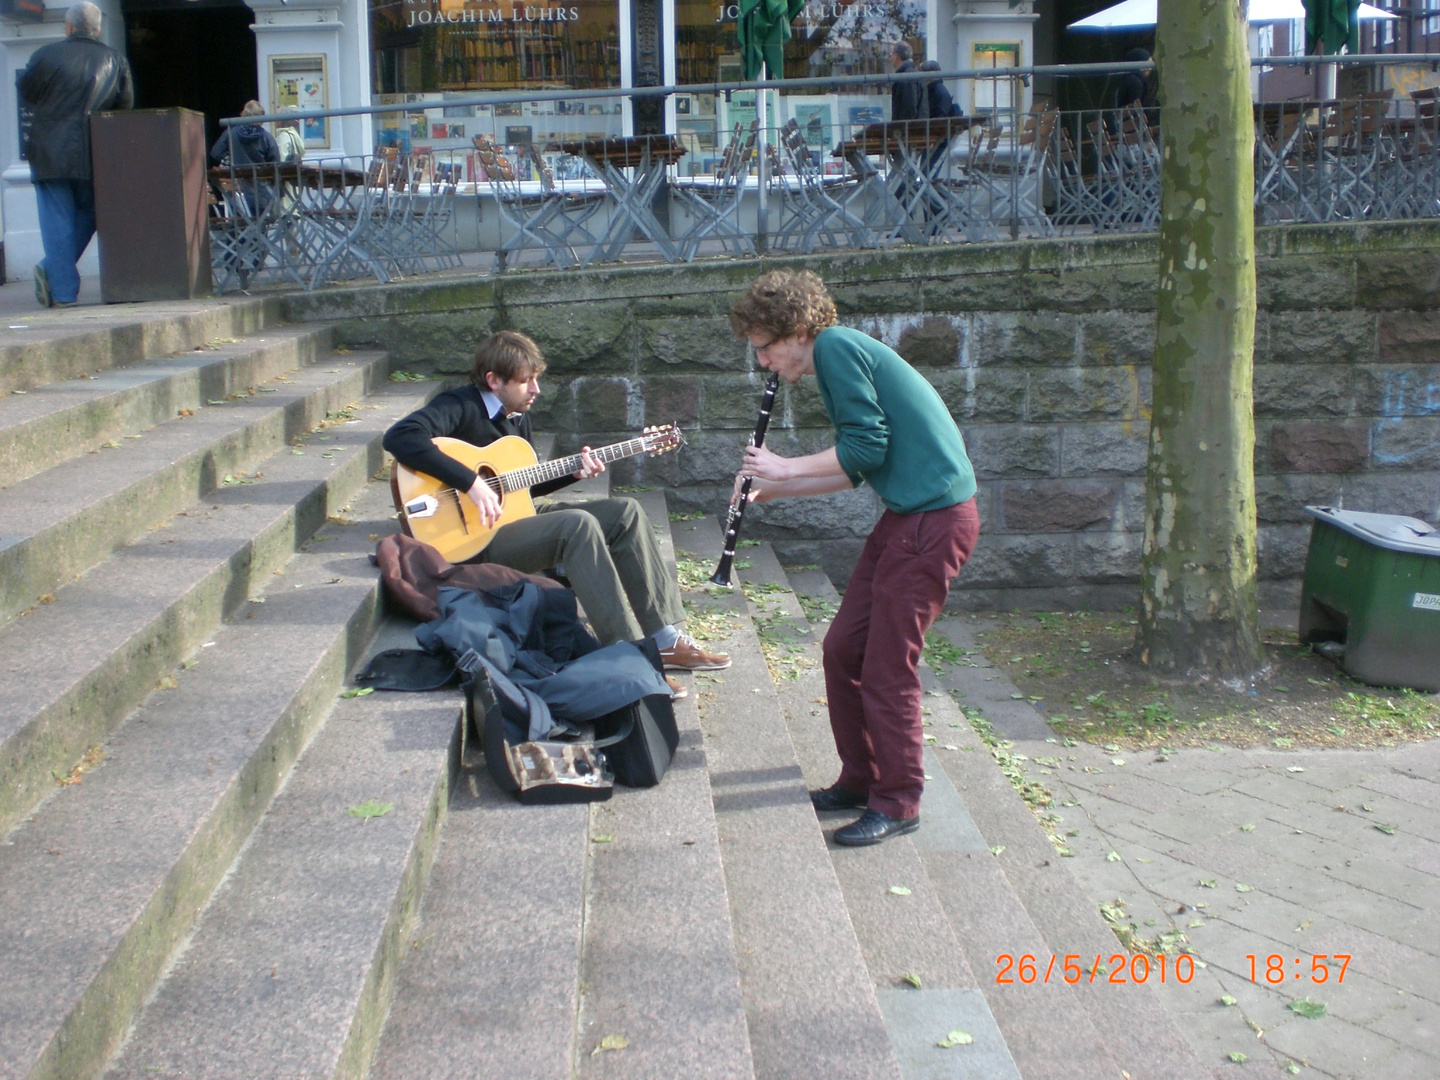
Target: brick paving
[{"x": 1262, "y": 853}]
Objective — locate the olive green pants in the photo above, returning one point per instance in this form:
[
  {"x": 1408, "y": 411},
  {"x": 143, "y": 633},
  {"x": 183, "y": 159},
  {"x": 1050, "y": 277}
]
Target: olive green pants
[{"x": 609, "y": 554}]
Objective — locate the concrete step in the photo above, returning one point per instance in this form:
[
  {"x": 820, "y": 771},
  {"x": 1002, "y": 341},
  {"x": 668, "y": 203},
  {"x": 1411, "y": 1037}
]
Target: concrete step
[
  {"x": 902, "y": 936},
  {"x": 537, "y": 940},
  {"x": 78, "y": 665},
  {"x": 52, "y": 423},
  {"x": 101, "y": 885},
  {"x": 809, "y": 999},
  {"x": 64, "y": 520},
  {"x": 1004, "y": 890},
  {"x": 46, "y": 346},
  {"x": 659, "y": 961},
  {"x": 1139, "y": 1034},
  {"x": 291, "y": 968}
]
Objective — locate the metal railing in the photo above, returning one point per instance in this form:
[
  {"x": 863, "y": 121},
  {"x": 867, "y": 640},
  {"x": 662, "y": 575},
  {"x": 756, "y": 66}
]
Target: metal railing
[{"x": 792, "y": 186}]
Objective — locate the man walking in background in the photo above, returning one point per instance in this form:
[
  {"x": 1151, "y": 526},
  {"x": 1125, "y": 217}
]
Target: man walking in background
[
  {"x": 908, "y": 100},
  {"x": 64, "y": 83}
]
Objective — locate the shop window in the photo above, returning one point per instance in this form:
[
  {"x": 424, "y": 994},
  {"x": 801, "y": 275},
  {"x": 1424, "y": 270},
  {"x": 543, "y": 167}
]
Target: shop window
[
  {"x": 428, "y": 52},
  {"x": 999, "y": 94},
  {"x": 828, "y": 38}
]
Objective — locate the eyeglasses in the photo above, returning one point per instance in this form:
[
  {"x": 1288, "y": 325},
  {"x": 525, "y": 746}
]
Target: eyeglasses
[{"x": 761, "y": 348}]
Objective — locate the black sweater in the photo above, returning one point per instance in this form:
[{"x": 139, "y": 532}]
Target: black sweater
[{"x": 455, "y": 414}]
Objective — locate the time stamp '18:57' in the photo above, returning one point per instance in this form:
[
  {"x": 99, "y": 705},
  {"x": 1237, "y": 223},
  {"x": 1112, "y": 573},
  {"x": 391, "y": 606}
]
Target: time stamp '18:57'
[{"x": 1123, "y": 968}]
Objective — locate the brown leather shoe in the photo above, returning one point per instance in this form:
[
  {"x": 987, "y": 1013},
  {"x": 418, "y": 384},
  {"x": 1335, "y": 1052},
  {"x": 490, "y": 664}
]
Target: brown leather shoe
[
  {"x": 678, "y": 690},
  {"x": 687, "y": 655}
]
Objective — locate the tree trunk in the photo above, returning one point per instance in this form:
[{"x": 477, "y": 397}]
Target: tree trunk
[{"x": 1199, "y": 613}]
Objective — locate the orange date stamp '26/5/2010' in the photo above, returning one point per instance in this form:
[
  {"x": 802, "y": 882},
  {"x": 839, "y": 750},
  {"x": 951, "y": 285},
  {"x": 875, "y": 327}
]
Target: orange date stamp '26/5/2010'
[{"x": 1120, "y": 968}]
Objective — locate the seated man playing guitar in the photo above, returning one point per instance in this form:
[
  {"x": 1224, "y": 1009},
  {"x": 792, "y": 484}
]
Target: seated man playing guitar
[{"x": 605, "y": 545}]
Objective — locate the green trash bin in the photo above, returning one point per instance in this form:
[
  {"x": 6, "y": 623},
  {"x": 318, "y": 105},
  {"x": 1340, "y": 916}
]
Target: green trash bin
[{"x": 1373, "y": 582}]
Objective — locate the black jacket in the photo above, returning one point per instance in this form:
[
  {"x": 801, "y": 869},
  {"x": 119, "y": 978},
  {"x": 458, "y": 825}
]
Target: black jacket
[
  {"x": 455, "y": 414},
  {"x": 941, "y": 103},
  {"x": 62, "y": 85},
  {"x": 245, "y": 144},
  {"x": 908, "y": 100}
]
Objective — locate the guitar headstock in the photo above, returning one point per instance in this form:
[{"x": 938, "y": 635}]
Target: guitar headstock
[{"x": 662, "y": 438}]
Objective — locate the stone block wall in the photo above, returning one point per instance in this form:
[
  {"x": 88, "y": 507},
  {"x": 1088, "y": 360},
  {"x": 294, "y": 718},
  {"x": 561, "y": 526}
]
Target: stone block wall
[{"x": 1042, "y": 352}]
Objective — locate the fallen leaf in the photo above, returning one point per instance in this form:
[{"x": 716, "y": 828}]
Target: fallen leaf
[
  {"x": 611, "y": 1042},
  {"x": 601, "y": 838},
  {"x": 1117, "y": 761},
  {"x": 1207, "y": 884},
  {"x": 1114, "y": 856},
  {"x": 997, "y": 849},
  {"x": 358, "y": 691},
  {"x": 371, "y": 809},
  {"x": 1294, "y": 768},
  {"x": 167, "y": 682},
  {"x": 1238, "y": 1058},
  {"x": 956, "y": 1038},
  {"x": 899, "y": 890},
  {"x": 1388, "y": 830},
  {"x": 1311, "y": 1010},
  {"x": 1227, "y": 1000},
  {"x": 1244, "y": 888},
  {"x": 911, "y": 978}
]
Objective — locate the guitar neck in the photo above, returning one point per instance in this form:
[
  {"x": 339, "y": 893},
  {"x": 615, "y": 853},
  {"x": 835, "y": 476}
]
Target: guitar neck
[{"x": 553, "y": 470}]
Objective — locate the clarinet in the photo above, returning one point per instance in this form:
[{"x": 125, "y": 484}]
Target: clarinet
[{"x": 737, "y": 506}]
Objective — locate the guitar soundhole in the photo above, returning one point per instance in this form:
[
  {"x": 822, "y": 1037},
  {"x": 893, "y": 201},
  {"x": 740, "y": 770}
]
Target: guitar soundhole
[{"x": 486, "y": 473}]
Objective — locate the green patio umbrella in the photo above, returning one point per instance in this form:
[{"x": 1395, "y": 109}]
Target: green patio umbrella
[
  {"x": 763, "y": 29},
  {"x": 1330, "y": 25}
]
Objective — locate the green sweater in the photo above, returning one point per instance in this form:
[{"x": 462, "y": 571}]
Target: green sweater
[{"x": 891, "y": 427}]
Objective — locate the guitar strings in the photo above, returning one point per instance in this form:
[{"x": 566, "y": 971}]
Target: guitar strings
[{"x": 552, "y": 470}]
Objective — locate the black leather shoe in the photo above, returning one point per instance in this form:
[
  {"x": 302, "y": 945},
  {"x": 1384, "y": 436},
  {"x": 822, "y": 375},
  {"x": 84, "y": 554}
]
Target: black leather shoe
[
  {"x": 873, "y": 827},
  {"x": 835, "y": 797}
]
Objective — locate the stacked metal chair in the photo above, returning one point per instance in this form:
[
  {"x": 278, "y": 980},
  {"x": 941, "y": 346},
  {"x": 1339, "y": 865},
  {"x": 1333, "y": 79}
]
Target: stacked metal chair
[
  {"x": 543, "y": 215},
  {"x": 714, "y": 204},
  {"x": 812, "y": 206}
]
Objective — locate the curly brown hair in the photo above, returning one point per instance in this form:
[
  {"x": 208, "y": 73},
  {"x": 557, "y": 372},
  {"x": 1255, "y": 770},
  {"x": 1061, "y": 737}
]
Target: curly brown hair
[
  {"x": 508, "y": 354},
  {"x": 783, "y": 303}
]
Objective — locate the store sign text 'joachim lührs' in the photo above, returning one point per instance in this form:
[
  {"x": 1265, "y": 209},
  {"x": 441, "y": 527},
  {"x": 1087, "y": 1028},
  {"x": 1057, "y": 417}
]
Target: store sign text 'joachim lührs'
[{"x": 423, "y": 16}]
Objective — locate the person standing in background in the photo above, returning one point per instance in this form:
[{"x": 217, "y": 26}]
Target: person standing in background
[
  {"x": 288, "y": 139},
  {"x": 62, "y": 85}
]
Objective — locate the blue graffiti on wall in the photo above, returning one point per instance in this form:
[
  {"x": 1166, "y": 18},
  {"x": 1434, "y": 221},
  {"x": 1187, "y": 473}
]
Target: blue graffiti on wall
[{"x": 1407, "y": 394}]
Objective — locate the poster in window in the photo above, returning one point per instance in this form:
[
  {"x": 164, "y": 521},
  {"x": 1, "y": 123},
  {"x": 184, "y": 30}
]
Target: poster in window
[
  {"x": 816, "y": 119},
  {"x": 300, "y": 82}
]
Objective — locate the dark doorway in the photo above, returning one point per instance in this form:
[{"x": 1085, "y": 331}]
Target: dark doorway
[{"x": 196, "y": 54}]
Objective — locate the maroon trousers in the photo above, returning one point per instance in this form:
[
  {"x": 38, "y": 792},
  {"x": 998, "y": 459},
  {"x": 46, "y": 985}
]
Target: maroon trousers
[{"x": 872, "y": 651}]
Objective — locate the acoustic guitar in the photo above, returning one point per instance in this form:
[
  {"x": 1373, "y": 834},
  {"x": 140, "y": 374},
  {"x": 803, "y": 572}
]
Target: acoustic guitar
[{"x": 448, "y": 521}]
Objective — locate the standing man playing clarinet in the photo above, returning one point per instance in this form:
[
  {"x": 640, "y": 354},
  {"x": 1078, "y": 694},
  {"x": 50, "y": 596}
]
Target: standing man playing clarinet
[
  {"x": 606, "y": 545},
  {"x": 892, "y": 431}
]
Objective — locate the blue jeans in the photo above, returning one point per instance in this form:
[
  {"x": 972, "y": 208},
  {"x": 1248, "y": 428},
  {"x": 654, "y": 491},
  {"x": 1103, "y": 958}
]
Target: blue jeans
[{"x": 67, "y": 222}]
